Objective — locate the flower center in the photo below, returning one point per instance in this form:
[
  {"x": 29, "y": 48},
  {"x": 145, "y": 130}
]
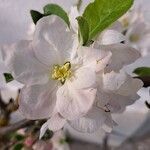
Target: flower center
[
  {"x": 134, "y": 38},
  {"x": 61, "y": 73}
]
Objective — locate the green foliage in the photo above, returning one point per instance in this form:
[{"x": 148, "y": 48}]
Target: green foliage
[
  {"x": 83, "y": 30},
  {"x": 142, "y": 71},
  {"x": 8, "y": 77},
  {"x": 56, "y": 10},
  {"x": 36, "y": 16},
  {"x": 18, "y": 146},
  {"x": 102, "y": 13},
  {"x": 50, "y": 9},
  {"x": 18, "y": 137}
]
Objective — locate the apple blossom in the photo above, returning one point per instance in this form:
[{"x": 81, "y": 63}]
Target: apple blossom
[
  {"x": 138, "y": 35},
  {"x": 136, "y": 29},
  {"x": 68, "y": 83},
  {"x": 13, "y": 85},
  {"x": 60, "y": 83}
]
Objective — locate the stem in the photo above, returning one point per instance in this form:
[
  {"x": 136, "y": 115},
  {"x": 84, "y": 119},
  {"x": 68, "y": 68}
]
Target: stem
[{"x": 21, "y": 124}]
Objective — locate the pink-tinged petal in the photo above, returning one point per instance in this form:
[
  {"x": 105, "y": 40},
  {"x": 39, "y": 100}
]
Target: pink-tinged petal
[
  {"x": 73, "y": 103},
  {"x": 130, "y": 87},
  {"x": 91, "y": 122},
  {"x": 83, "y": 77},
  {"x": 95, "y": 58},
  {"x": 109, "y": 37},
  {"x": 38, "y": 101},
  {"x": 56, "y": 122},
  {"x": 112, "y": 81},
  {"x": 122, "y": 55},
  {"x": 52, "y": 40},
  {"x": 24, "y": 66},
  {"x": 113, "y": 102},
  {"x": 121, "y": 83}
]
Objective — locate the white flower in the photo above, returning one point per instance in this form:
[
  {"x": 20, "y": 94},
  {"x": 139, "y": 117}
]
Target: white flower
[
  {"x": 13, "y": 85},
  {"x": 115, "y": 92},
  {"x": 138, "y": 36},
  {"x": 59, "y": 78},
  {"x": 136, "y": 28},
  {"x": 3, "y": 70}
]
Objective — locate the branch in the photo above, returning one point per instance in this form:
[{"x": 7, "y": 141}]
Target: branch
[{"x": 21, "y": 124}]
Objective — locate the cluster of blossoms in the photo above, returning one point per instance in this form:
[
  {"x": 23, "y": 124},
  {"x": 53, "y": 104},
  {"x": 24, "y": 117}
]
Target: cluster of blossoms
[
  {"x": 136, "y": 27},
  {"x": 66, "y": 82}
]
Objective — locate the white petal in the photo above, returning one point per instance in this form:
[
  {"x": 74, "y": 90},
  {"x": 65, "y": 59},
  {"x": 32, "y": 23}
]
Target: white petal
[
  {"x": 43, "y": 129},
  {"x": 2, "y": 82},
  {"x": 90, "y": 123},
  {"x": 117, "y": 26},
  {"x": 97, "y": 58},
  {"x": 37, "y": 101},
  {"x": 114, "y": 102},
  {"x": 130, "y": 87},
  {"x": 83, "y": 77},
  {"x": 112, "y": 81},
  {"x": 52, "y": 41},
  {"x": 56, "y": 122},
  {"x": 109, "y": 37},
  {"x": 73, "y": 103},
  {"x": 24, "y": 66},
  {"x": 73, "y": 15},
  {"x": 14, "y": 85},
  {"x": 122, "y": 55}
]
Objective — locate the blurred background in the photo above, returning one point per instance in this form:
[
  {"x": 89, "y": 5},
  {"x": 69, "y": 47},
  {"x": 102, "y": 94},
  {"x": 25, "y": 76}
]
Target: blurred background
[{"x": 133, "y": 130}]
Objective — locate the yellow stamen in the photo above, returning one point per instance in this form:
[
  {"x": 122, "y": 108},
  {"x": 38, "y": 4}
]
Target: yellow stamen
[{"x": 62, "y": 73}]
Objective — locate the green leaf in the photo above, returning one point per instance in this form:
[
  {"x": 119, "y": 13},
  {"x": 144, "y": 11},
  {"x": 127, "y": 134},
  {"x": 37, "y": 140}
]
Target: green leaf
[
  {"x": 83, "y": 30},
  {"x": 142, "y": 71},
  {"x": 19, "y": 137},
  {"x": 56, "y": 10},
  {"x": 102, "y": 13},
  {"x": 8, "y": 77},
  {"x": 18, "y": 146},
  {"x": 36, "y": 16}
]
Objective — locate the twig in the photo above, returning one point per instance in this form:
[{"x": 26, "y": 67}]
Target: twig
[
  {"x": 16, "y": 126},
  {"x": 105, "y": 142}
]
